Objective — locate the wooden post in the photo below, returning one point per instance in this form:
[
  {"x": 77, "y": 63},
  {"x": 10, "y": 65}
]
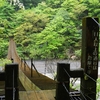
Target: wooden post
[
  {"x": 2, "y": 76},
  {"x": 89, "y": 60},
  {"x": 62, "y": 87},
  {"x": 24, "y": 65},
  {"x": 31, "y": 67},
  {"x": 11, "y": 82}
]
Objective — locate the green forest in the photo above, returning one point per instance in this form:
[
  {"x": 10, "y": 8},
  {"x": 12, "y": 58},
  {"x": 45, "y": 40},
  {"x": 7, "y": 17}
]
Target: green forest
[{"x": 45, "y": 29}]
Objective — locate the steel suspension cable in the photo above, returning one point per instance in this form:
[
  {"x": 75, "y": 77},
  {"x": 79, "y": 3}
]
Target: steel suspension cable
[
  {"x": 67, "y": 73},
  {"x": 88, "y": 89},
  {"x": 70, "y": 77},
  {"x": 64, "y": 84},
  {"x": 96, "y": 22},
  {"x": 83, "y": 95},
  {"x": 79, "y": 98},
  {"x": 91, "y": 91},
  {"x": 89, "y": 97},
  {"x": 67, "y": 90},
  {"x": 80, "y": 91},
  {"x": 91, "y": 77},
  {"x": 94, "y": 81}
]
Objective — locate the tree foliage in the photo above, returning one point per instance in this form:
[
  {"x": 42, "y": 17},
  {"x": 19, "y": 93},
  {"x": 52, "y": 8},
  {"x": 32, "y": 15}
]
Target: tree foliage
[{"x": 45, "y": 28}]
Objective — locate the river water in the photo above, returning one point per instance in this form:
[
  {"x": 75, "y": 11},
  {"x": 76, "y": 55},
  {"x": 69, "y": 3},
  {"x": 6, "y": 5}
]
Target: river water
[{"x": 49, "y": 67}]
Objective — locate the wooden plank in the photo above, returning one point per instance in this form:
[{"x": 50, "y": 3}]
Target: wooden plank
[
  {"x": 28, "y": 85},
  {"x": 53, "y": 92},
  {"x": 37, "y": 95},
  {"x": 50, "y": 94},
  {"x": 41, "y": 95},
  {"x": 23, "y": 96},
  {"x": 32, "y": 95}
]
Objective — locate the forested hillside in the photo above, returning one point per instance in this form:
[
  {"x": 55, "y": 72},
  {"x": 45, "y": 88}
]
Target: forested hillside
[{"x": 45, "y": 28}]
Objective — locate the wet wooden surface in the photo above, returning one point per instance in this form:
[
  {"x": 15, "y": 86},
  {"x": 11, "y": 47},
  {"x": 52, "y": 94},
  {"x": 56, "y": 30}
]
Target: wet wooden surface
[{"x": 37, "y": 95}]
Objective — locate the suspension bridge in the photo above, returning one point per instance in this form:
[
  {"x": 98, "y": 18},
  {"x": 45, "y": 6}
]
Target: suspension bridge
[
  {"x": 40, "y": 87},
  {"x": 35, "y": 86}
]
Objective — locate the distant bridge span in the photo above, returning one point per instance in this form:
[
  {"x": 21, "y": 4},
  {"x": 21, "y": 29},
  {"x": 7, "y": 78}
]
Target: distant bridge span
[{"x": 30, "y": 83}]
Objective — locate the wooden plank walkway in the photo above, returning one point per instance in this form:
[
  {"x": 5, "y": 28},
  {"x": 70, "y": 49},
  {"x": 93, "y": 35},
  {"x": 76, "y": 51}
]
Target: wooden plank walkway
[
  {"x": 32, "y": 85},
  {"x": 27, "y": 84},
  {"x": 37, "y": 95}
]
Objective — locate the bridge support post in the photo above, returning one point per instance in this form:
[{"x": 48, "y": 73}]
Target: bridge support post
[
  {"x": 11, "y": 82},
  {"x": 31, "y": 67},
  {"x": 89, "y": 60},
  {"x": 62, "y": 87}
]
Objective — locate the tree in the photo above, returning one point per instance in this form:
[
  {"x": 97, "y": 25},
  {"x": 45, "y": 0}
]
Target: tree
[
  {"x": 3, "y": 46},
  {"x": 54, "y": 3},
  {"x": 50, "y": 27},
  {"x": 93, "y": 7},
  {"x": 32, "y": 24},
  {"x": 59, "y": 35},
  {"x": 30, "y": 3},
  {"x": 46, "y": 44},
  {"x": 7, "y": 22}
]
